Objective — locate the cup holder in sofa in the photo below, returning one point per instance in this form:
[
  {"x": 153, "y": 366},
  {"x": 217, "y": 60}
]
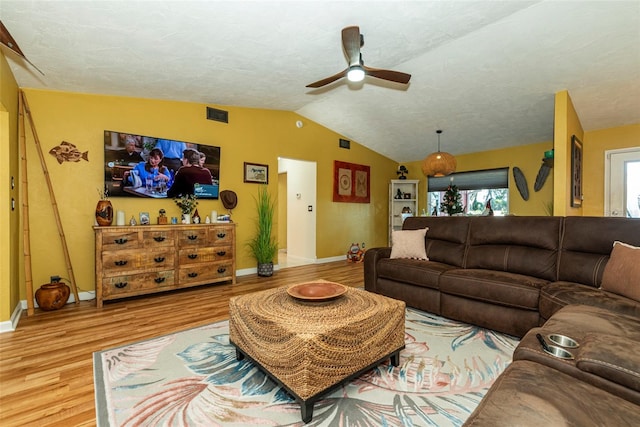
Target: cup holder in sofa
[
  {"x": 563, "y": 341},
  {"x": 558, "y": 352}
]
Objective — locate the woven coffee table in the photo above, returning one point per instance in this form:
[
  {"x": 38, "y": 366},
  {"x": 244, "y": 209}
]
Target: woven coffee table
[{"x": 311, "y": 348}]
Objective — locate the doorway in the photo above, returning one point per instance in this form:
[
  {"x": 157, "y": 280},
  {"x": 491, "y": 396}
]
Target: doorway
[
  {"x": 297, "y": 209},
  {"x": 622, "y": 183}
]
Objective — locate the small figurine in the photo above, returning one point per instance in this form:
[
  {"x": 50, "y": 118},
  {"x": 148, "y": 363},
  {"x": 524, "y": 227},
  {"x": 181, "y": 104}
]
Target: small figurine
[
  {"x": 399, "y": 194},
  {"x": 133, "y": 221},
  {"x": 355, "y": 254},
  {"x": 196, "y": 217},
  {"x": 162, "y": 217}
]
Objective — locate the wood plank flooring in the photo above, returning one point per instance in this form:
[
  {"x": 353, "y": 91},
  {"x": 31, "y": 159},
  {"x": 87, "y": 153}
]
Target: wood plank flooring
[{"x": 46, "y": 365}]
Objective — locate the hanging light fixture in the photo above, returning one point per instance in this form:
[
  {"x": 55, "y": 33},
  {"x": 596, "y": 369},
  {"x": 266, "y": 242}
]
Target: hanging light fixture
[{"x": 440, "y": 163}]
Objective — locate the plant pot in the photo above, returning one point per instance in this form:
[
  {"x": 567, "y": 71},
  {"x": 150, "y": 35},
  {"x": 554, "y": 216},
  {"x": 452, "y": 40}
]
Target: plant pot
[
  {"x": 52, "y": 296},
  {"x": 186, "y": 218},
  {"x": 265, "y": 269},
  {"x": 104, "y": 213}
]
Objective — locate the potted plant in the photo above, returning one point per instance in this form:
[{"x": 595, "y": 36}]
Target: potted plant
[
  {"x": 187, "y": 203},
  {"x": 263, "y": 245}
]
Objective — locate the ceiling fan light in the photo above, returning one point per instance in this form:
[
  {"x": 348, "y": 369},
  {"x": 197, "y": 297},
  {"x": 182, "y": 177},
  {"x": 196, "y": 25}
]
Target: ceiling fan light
[{"x": 355, "y": 73}]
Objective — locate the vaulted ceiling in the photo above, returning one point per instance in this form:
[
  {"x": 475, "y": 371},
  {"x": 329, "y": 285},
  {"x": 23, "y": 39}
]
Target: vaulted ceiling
[{"x": 483, "y": 71}]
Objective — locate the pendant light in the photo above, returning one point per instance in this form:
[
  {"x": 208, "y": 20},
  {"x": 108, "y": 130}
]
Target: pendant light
[{"x": 440, "y": 163}]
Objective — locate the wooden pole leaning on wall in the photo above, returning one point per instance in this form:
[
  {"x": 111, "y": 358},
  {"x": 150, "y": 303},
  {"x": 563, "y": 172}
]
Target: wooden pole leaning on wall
[
  {"x": 26, "y": 240},
  {"x": 54, "y": 204}
]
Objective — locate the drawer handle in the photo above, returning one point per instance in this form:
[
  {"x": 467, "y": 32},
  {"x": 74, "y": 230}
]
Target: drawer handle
[
  {"x": 221, "y": 270},
  {"x": 121, "y": 241},
  {"x": 120, "y": 263},
  {"x": 192, "y": 256},
  {"x": 159, "y": 259},
  {"x": 120, "y": 285},
  {"x": 159, "y": 279},
  {"x": 192, "y": 274},
  {"x": 192, "y": 237},
  {"x": 222, "y": 253},
  {"x": 221, "y": 235},
  {"x": 159, "y": 239}
]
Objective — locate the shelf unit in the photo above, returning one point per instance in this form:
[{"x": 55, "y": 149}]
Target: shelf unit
[{"x": 409, "y": 190}]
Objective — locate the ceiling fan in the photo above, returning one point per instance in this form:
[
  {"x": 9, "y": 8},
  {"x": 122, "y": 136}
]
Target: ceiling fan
[{"x": 352, "y": 40}]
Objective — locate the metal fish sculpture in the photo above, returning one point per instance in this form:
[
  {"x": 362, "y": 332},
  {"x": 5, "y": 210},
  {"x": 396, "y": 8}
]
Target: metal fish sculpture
[{"x": 67, "y": 152}]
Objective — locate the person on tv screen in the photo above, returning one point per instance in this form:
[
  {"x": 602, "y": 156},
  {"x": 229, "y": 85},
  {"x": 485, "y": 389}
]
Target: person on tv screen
[
  {"x": 151, "y": 169},
  {"x": 189, "y": 174},
  {"x": 172, "y": 153},
  {"x": 129, "y": 154}
]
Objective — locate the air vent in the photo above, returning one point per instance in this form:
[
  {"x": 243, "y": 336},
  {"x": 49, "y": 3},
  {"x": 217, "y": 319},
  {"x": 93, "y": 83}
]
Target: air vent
[
  {"x": 217, "y": 115},
  {"x": 345, "y": 143}
]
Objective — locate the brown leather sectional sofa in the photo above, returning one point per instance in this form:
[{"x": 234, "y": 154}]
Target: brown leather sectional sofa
[{"x": 526, "y": 276}]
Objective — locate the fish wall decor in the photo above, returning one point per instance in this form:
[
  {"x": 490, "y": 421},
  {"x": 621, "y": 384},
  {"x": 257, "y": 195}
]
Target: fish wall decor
[{"x": 67, "y": 152}]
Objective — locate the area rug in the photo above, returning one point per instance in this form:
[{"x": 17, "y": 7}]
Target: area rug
[{"x": 192, "y": 378}]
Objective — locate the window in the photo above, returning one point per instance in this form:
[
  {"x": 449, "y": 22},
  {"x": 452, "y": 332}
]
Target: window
[{"x": 476, "y": 188}]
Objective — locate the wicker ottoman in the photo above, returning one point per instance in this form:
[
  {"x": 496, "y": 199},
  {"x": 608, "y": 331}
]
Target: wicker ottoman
[{"x": 310, "y": 348}]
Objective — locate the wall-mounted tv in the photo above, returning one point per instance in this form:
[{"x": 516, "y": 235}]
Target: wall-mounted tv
[{"x": 131, "y": 169}]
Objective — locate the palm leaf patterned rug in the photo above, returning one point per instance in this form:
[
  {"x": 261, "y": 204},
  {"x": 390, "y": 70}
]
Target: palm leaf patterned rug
[{"x": 192, "y": 378}]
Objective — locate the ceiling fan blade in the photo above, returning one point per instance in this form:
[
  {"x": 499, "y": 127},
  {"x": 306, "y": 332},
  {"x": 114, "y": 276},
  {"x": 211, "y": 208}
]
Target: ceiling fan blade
[
  {"x": 351, "y": 42},
  {"x": 328, "y": 80},
  {"x": 394, "y": 76}
]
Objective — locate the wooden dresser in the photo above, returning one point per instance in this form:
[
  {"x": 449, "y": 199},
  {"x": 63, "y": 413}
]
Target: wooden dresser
[{"x": 138, "y": 260}]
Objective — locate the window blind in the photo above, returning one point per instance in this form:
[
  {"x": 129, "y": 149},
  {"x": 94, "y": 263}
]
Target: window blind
[{"x": 472, "y": 180}]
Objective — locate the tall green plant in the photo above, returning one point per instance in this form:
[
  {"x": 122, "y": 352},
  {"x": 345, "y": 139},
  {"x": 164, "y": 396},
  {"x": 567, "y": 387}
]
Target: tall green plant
[{"x": 263, "y": 245}]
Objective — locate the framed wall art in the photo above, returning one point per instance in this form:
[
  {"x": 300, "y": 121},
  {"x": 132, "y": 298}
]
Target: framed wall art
[
  {"x": 351, "y": 183},
  {"x": 256, "y": 173},
  {"x": 576, "y": 172}
]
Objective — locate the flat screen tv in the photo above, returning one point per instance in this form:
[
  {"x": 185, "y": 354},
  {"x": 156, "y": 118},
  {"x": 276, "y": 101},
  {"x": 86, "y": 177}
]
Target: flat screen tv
[{"x": 123, "y": 152}]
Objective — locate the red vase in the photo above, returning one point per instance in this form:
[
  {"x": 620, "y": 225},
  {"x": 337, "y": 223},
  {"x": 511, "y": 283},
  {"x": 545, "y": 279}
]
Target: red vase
[
  {"x": 104, "y": 213},
  {"x": 52, "y": 296}
]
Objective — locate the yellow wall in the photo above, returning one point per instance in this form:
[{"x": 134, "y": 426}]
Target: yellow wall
[
  {"x": 566, "y": 124},
  {"x": 10, "y": 248},
  {"x": 253, "y": 135},
  {"x": 595, "y": 144},
  {"x": 527, "y": 157}
]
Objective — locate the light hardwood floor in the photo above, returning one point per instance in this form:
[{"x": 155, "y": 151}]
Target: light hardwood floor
[{"x": 46, "y": 365}]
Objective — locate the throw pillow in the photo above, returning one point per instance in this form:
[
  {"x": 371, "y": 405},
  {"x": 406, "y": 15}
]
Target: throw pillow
[
  {"x": 409, "y": 244},
  {"x": 622, "y": 273}
]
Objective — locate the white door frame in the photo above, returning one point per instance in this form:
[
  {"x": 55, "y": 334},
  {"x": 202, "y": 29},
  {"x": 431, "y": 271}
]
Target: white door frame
[{"x": 634, "y": 153}]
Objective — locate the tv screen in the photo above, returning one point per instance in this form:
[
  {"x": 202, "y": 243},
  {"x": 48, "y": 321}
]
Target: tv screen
[{"x": 145, "y": 166}]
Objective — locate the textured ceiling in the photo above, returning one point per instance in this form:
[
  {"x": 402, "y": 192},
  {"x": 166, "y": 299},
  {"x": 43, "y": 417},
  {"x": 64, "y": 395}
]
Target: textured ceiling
[{"x": 483, "y": 71}]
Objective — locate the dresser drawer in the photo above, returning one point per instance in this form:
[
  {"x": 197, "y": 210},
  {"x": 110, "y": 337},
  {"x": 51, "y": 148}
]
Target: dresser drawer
[
  {"x": 159, "y": 258},
  {"x": 119, "y": 262},
  {"x": 203, "y": 273},
  {"x": 154, "y": 239},
  {"x": 192, "y": 237},
  {"x": 197, "y": 255},
  {"x": 221, "y": 235},
  {"x": 132, "y": 283},
  {"x": 113, "y": 241}
]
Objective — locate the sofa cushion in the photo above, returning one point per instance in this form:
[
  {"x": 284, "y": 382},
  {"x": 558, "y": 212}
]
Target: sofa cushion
[
  {"x": 446, "y": 238},
  {"x": 622, "y": 273},
  {"x": 411, "y": 271},
  {"x": 586, "y": 246},
  {"x": 408, "y": 244},
  {"x": 496, "y": 287},
  {"x": 530, "y": 394},
  {"x": 521, "y": 245},
  {"x": 556, "y": 295}
]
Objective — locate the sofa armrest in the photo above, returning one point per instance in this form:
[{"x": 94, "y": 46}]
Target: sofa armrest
[
  {"x": 371, "y": 257},
  {"x": 612, "y": 357}
]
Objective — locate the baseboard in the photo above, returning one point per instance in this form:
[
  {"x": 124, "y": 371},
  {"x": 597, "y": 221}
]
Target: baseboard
[
  {"x": 276, "y": 267},
  {"x": 12, "y": 324}
]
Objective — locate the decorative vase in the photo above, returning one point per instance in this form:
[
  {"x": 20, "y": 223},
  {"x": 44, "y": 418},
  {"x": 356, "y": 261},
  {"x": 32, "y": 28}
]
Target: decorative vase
[
  {"x": 265, "y": 269},
  {"x": 104, "y": 213},
  {"x": 52, "y": 296},
  {"x": 186, "y": 218}
]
